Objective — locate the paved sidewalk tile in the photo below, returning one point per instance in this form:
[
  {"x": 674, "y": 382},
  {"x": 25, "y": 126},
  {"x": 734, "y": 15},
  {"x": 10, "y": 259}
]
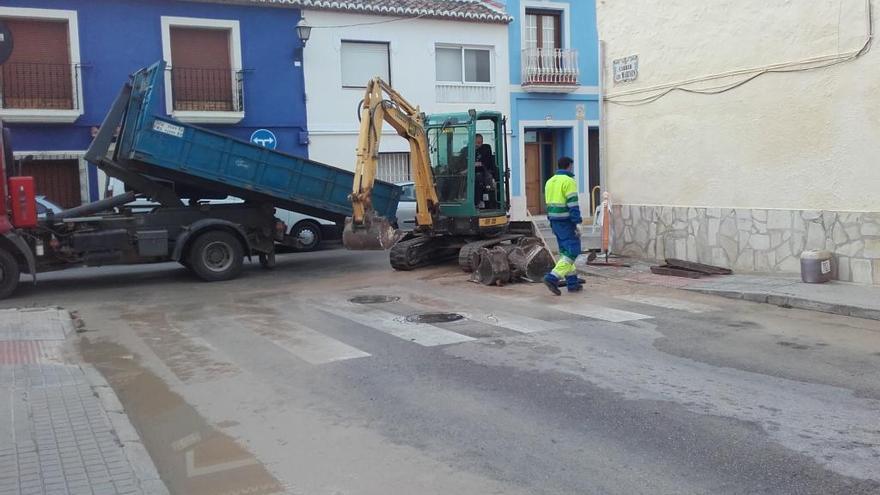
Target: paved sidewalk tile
[{"x": 56, "y": 437}]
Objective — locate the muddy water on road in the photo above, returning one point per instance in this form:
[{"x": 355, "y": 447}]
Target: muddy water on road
[{"x": 192, "y": 457}]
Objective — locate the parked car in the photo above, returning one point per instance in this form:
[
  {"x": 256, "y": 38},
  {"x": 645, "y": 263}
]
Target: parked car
[
  {"x": 406, "y": 208},
  {"x": 44, "y": 206},
  {"x": 310, "y": 231}
]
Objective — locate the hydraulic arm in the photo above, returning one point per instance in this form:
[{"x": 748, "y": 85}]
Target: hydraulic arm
[{"x": 381, "y": 105}]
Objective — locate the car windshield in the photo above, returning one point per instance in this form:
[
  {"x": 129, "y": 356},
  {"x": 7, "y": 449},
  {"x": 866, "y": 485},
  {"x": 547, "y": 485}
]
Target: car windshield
[
  {"x": 449, "y": 149},
  {"x": 408, "y": 192}
]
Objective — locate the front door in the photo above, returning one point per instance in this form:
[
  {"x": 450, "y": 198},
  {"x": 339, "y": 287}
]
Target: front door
[{"x": 533, "y": 178}]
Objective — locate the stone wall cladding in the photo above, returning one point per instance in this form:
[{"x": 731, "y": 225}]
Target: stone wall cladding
[{"x": 751, "y": 240}]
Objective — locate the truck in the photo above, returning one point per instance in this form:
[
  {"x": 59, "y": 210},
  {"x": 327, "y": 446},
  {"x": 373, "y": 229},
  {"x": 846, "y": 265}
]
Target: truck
[{"x": 179, "y": 167}]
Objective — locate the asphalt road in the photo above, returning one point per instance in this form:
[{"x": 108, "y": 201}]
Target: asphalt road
[{"x": 277, "y": 382}]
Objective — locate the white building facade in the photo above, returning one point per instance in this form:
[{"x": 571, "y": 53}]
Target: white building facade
[
  {"x": 748, "y": 132},
  {"x": 443, "y": 56}
]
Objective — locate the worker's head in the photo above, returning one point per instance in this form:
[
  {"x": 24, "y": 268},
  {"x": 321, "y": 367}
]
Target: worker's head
[
  {"x": 479, "y": 140},
  {"x": 564, "y": 163}
]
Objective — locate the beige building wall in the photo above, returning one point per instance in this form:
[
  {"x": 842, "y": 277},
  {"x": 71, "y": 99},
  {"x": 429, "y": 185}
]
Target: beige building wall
[{"x": 805, "y": 143}]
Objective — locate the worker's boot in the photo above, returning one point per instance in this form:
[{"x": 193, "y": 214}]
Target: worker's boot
[
  {"x": 552, "y": 283},
  {"x": 573, "y": 283}
]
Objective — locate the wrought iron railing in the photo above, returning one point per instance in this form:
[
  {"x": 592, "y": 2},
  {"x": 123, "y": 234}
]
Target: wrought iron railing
[
  {"x": 550, "y": 66},
  {"x": 207, "y": 90},
  {"x": 38, "y": 86}
]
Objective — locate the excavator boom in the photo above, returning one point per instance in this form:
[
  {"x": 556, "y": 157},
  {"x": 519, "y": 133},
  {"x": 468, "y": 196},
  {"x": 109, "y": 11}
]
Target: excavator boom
[{"x": 381, "y": 105}]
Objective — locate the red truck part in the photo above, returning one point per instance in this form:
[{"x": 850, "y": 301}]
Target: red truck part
[
  {"x": 5, "y": 154},
  {"x": 23, "y": 202}
]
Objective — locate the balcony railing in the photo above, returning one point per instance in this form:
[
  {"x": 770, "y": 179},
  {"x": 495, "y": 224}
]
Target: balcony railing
[
  {"x": 207, "y": 90},
  {"x": 550, "y": 67},
  {"x": 36, "y": 86},
  {"x": 465, "y": 93}
]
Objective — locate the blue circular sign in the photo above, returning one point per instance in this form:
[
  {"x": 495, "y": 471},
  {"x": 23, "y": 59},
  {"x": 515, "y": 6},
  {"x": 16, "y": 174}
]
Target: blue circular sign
[{"x": 264, "y": 138}]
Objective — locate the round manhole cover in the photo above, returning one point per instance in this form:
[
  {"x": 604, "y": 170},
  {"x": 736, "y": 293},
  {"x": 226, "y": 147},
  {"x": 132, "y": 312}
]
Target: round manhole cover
[
  {"x": 373, "y": 299},
  {"x": 434, "y": 318}
]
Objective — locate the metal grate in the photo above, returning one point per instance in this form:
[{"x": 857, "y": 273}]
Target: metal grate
[
  {"x": 207, "y": 90},
  {"x": 39, "y": 86},
  {"x": 394, "y": 167}
]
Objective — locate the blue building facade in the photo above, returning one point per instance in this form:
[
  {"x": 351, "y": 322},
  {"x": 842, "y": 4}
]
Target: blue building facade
[
  {"x": 554, "y": 100},
  {"x": 231, "y": 67}
]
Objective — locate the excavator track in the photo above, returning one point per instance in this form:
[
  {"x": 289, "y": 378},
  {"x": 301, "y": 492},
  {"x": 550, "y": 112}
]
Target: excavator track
[{"x": 416, "y": 252}]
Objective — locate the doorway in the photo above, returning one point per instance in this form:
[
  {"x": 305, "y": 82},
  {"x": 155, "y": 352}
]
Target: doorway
[{"x": 541, "y": 149}]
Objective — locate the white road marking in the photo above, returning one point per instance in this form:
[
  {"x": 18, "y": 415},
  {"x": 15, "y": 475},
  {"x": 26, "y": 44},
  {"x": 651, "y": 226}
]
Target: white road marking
[
  {"x": 517, "y": 323},
  {"x": 602, "y": 313},
  {"x": 663, "y": 302},
  {"x": 192, "y": 471},
  {"x": 311, "y": 346},
  {"x": 392, "y": 324}
]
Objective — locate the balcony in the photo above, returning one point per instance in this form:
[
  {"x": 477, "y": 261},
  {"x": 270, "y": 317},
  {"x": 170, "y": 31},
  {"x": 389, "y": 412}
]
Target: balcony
[
  {"x": 206, "y": 95},
  {"x": 40, "y": 93},
  {"x": 550, "y": 70}
]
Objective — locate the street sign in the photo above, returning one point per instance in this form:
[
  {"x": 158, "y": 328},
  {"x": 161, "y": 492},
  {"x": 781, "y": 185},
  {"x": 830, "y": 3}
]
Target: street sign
[
  {"x": 5, "y": 42},
  {"x": 626, "y": 69},
  {"x": 264, "y": 138}
]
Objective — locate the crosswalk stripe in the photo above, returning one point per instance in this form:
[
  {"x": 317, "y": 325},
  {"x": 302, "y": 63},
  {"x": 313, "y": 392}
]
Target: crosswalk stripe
[
  {"x": 392, "y": 324},
  {"x": 517, "y": 323},
  {"x": 663, "y": 302},
  {"x": 309, "y": 345},
  {"x": 602, "y": 313}
]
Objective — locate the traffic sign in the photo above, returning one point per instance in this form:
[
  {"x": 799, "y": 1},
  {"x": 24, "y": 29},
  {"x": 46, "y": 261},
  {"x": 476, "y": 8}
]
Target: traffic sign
[{"x": 264, "y": 138}]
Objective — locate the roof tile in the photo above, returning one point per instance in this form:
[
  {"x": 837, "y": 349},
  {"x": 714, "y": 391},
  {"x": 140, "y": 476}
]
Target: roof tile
[{"x": 467, "y": 10}]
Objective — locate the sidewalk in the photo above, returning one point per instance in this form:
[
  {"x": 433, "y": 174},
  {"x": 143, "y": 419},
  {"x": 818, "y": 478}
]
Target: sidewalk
[
  {"x": 782, "y": 290},
  {"x": 62, "y": 429}
]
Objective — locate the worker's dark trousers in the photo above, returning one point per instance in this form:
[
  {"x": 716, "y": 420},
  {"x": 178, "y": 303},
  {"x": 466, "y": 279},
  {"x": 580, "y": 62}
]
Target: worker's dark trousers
[{"x": 569, "y": 249}]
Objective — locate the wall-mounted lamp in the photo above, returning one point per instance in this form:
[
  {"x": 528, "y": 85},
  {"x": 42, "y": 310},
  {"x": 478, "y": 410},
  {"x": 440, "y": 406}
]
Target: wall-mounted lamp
[{"x": 303, "y": 30}]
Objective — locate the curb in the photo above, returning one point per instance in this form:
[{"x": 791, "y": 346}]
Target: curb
[
  {"x": 141, "y": 462},
  {"x": 784, "y": 301},
  {"x": 780, "y": 300}
]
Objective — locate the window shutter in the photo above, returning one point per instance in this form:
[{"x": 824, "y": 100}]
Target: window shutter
[
  {"x": 38, "y": 74},
  {"x": 201, "y": 69},
  {"x": 363, "y": 61}
]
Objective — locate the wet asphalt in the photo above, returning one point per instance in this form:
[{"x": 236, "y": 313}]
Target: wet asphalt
[{"x": 689, "y": 395}]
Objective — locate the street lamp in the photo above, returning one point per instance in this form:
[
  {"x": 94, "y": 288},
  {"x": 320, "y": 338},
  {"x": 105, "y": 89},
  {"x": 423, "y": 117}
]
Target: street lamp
[{"x": 303, "y": 30}]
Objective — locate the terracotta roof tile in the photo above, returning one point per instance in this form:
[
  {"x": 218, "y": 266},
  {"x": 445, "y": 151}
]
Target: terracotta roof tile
[{"x": 464, "y": 10}]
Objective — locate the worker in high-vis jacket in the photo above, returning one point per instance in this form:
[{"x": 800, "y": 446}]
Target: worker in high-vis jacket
[{"x": 564, "y": 213}]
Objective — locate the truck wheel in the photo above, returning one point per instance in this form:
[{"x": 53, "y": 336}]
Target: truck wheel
[
  {"x": 307, "y": 234},
  {"x": 216, "y": 256},
  {"x": 9, "y": 272}
]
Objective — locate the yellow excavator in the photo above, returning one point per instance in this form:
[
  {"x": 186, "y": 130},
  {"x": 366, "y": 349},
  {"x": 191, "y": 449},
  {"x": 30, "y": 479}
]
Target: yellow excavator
[{"x": 461, "y": 181}]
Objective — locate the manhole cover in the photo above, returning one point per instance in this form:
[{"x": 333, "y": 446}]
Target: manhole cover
[
  {"x": 373, "y": 299},
  {"x": 434, "y": 318}
]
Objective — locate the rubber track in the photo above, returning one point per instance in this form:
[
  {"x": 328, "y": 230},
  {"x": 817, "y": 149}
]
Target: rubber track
[{"x": 420, "y": 251}]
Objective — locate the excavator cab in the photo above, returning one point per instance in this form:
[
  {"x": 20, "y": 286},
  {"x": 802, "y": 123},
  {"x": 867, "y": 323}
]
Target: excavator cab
[{"x": 466, "y": 154}]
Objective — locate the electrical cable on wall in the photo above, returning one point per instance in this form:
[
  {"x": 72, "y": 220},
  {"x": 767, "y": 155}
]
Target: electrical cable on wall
[{"x": 811, "y": 64}]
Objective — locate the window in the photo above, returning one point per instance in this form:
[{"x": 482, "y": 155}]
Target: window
[
  {"x": 203, "y": 79},
  {"x": 449, "y": 148},
  {"x": 364, "y": 60},
  {"x": 40, "y": 82},
  {"x": 463, "y": 65},
  {"x": 408, "y": 192},
  {"x": 394, "y": 167},
  {"x": 543, "y": 29}
]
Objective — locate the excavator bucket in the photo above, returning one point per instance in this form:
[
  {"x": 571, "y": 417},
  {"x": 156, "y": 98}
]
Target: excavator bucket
[{"x": 375, "y": 233}]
